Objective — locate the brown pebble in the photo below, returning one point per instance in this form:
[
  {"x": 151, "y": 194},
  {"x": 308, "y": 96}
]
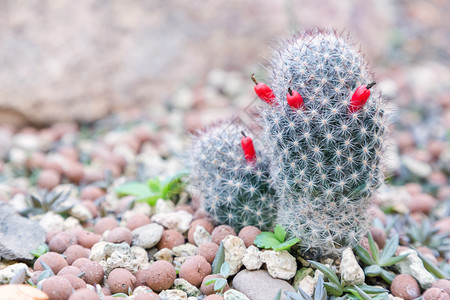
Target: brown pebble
[
  {"x": 57, "y": 288},
  {"x": 91, "y": 207},
  {"x": 137, "y": 220},
  {"x": 36, "y": 160},
  {"x": 435, "y": 294},
  {"x": 54, "y": 260},
  {"x": 405, "y": 286},
  {"x": 49, "y": 235},
  {"x": 93, "y": 273},
  {"x": 48, "y": 179},
  {"x": 80, "y": 262},
  {"x": 91, "y": 193},
  {"x": 194, "y": 269},
  {"x": 169, "y": 239},
  {"x": 106, "y": 223},
  {"x": 147, "y": 296},
  {"x": 202, "y": 222},
  {"x": 365, "y": 243},
  {"x": 76, "y": 282},
  {"x": 186, "y": 207},
  {"x": 379, "y": 236},
  {"x": 209, "y": 289},
  {"x": 248, "y": 235},
  {"x": 74, "y": 171},
  {"x": 119, "y": 235},
  {"x": 87, "y": 239},
  {"x": 422, "y": 203},
  {"x": 208, "y": 251},
  {"x": 442, "y": 284},
  {"x": 162, "y": 275},
  {"x": 84, "y": 294},
  {"x": 213, "y": 297},
  {"x": 141, "y": 277},
  {"x": 69, "y": 270},
  {"x": 61, "y": 241},
  {"x": 120, "y": 280},
  {"x": 220, "y": 232}
]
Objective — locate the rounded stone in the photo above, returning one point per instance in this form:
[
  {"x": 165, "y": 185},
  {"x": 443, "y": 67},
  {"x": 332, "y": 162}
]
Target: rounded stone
[
  {"x": 76, "y": 282},
  {"x": 137, "y": 220},
  {"x": 379, "y": 236},
  {"x": 87, "y": 239},
  {"x": 220, "y": 232},
  {"x": 208, "y": 251},
  {"x": 119, "y": 235},
  {"x": 48, "y": 179},
  {"x": 93, "y": 273},
  {"x": 248, "y": 235},
  {"x": 57, "y": 288},
  {"x": 91, "y": 193},
  {"x": 435, "y": 294},
  {"x": 106, "y": 223},
  {"x": 169, "y": 239},
  {"x": 209, "y": 289},
  {"x": 194, "y": 269},
  {"x": 202, "y": 222},
  {"x": 61, "y": 241},
  {"x": 84, "y": 294},
  {"x": 75, "y": 252},
  {"x": 442, "y": 284},
  {"x": 120, "y": 280},
  {"x": 69, "y": 270},
  {"x": 161, "y": 275},
  {"x": 54, "y": 260},
  {"x": 405, "y": 286}
]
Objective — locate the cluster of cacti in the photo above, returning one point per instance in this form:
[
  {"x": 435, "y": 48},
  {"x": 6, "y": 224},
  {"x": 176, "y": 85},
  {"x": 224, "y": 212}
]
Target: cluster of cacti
[
  {"x": 232, "y": 177},
  {"x": 323, "y": 132},
  {"x": 325, "y": 138}
]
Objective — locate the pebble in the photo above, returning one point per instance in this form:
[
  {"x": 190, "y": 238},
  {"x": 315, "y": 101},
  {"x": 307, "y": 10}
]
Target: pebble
[
  {"x": 184, "y": 285},
  {"x": 258, "y": 285},
  {"x": 173, "y": 295},
  {"x": 80, "y": 212},
  {"x": 234, "y": 252},
  {"x": 163, "y": 206},
  {"x": 164, "y": 254},
  {"x": 147, "y": 236},
  {"x": 178, "y": 220},
  {"x": 141, "y": 257},
  {"x": 351, "y": 272},
  {"x": 405, "y": 287},
  {"x": 201, "y": 236},
  {"x": 416, "y": 167},
  {"x": 9, "y": 272},
  {"x": 52, "y": 222},
  {"x": 111, "y": 256},
  {"x": 300, "y": 274},
  {"x": 435, "y": 294},
  {"x": 280, "y": 264},
  {"x": 22, "y": 291},
  {"x": 413, "y": 266},
  {"x": 232, "y": 294},
  {"x": 184, "y": 250},
  {"x": 252, "y": 259},
  {"x": 307, "y": 285}
]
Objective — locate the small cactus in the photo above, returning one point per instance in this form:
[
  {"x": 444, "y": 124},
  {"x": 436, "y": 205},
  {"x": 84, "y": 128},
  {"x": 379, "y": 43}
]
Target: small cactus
[
  {"x": 324, "y": 131},
  {"x": 232, "y": 177}
]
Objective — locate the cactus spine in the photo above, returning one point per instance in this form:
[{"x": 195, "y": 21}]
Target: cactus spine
[
  {"x": 325, "y": 153},
  {"x": 232, "y": 177}
]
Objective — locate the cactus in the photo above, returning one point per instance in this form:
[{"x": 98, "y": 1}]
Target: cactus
[
  {"x": 325, "y": 150},
  {"x": 233, "y": 182}
]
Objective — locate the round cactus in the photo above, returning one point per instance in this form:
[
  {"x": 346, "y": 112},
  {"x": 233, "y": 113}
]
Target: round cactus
[
  {"x": 232, "y": 177},
  {"x": 325, "y": 149}
]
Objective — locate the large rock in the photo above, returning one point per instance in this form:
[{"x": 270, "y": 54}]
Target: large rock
[
  {"x": 259, "y": 285},
  {"x": 18, "y": 235},
  {"x": 101, "y": 56}
]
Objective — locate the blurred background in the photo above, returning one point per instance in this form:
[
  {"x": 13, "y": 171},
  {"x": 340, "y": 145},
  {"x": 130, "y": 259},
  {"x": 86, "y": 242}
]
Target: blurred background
[{"x": 180, "y": 64}]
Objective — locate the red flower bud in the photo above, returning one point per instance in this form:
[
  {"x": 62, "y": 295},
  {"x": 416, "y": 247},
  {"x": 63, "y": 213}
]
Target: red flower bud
[
  {"x": 249, "y": 150},
  {"x": 294, "y": 99},
  {"x": 263, "y": 91},
  {"x": 360, "y": 97}
]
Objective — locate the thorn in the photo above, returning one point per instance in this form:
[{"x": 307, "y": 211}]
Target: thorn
[
  {"x": 254, "y": 78},
  {"x": 243, "y": 134},
  {"x": 290, "y": 91},
  {"x": 370, "y": 85}
]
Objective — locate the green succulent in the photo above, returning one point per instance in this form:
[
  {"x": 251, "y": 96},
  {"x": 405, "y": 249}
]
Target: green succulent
[
  {"x": 47, "y": 201},
  {"x": 220, "y": 283},
  {"x": 275, "y": 240},
  {"x": 378, "y": 261},
  {"x": 336, "y": 288},
  {"x": 154, "y": 188},
  {"x": 426, "y": 235}
]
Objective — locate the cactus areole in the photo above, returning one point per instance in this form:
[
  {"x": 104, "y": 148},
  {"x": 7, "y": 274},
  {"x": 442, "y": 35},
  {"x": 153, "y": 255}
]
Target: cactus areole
[
  {"x": 263, "y": 91},
  {"x": 360, "y": 97},
  {"x": 249, "y": 149}
]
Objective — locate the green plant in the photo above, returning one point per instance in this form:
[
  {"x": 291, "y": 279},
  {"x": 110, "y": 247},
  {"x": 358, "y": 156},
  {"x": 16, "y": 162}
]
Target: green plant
[
  {"x": 431, "y": 267},
  {"x": 377, "y": 262},
  {"x": 45, "y": 202},
  {"x": 275, "y": 240},
  {"x": 154, "y": 188},
  {"x": 232, "y": 176},
  {"x": 40, "y": 250},
  {"x": 220, "y": 283},
  {"x": 320, "y": 293},
  {"x": 425, "y": 235},
  {"x": 336, "y": 288},
  {"x": 324, "y": 150}
]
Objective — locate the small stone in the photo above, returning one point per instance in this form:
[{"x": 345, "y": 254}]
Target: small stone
[
  {"x": 234, "y": 252},
  {"x": 442, "y": 284},
  {"x": 147, "y": 236},
  {"x": 232, "y": 294},
  {"x": 184, "y": 250},
  {"x": 141, "y": 257},
  {"x": 300, "y": 274},
  {"x": 280, "y": 264},
  {"x": 71, "y": 223},
  {"x": 208, "y": 251},
  {"x": 259, "y": 284},
  {"x": 184, "y": 285},
  {"x": 18, "y": 235},
  {"x": 405, "y": 287},
  {"x": 164, "y": 254},
  {"x": 201, "y": 236},
  {"x": 52, "y": 222},
  {"x": 178, "y": 220},
  {"x": 351, "y": 272},
  {"x": 307, "y": 285},
  {"x": 173, "y": 295},
  {"x": 418, "y": 168},
  {"x": 248, "y": 234},
  {"x": 80, "y": 212},
  {"x": 413, "y": 266},
  {"x": 163, "y": 206},
  {"x": 435, "y": 294},
  {"x": 111, "y": 256},
  {"x": 252, "y": 259},
  {"x": 9, "y": 272}
]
